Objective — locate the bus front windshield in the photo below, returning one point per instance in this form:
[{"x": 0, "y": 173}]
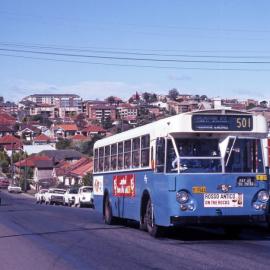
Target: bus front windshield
[
  {"x": 202, "y": 155},
  {"x": 195, "y": 156},
  {"x": 244, "y": 155}
]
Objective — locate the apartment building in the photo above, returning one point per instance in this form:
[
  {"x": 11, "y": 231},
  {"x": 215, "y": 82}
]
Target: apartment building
[
  {"x": 65, "y": 105},
  {"x": 127, "y": 112},
  {"x": 98, "y": 110}
]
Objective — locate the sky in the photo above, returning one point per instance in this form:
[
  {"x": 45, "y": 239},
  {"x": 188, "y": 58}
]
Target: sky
[{"x": 98, "y": 48}]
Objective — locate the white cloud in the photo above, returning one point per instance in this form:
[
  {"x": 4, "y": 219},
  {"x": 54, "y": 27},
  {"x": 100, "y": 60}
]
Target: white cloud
[
  {"x": 174, "y": 77},
  {"x": 86, "y": 89},
  {"x": 248, "y": 93}
]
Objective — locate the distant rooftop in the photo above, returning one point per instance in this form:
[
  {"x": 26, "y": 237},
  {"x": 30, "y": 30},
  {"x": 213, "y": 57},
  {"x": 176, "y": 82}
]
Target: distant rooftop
[
  {"x": 62, "y": 154},
  {"x": 53, "y": 95}
]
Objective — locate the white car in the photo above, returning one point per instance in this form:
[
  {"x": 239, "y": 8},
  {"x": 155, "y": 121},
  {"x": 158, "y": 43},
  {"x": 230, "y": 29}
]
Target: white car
[
  {"x": 85, "y": 197},
  {"x": 14, "y": 189},
  {"x": 54, "y": 196},
  {"x": 40, "y": 196},
  {"x": 70, "y": 196}
]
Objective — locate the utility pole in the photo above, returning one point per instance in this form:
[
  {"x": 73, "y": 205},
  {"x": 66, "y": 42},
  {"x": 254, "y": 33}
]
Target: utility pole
[
  {"x": 25, "y": 175},
  {"x": 11, "y": 163}
]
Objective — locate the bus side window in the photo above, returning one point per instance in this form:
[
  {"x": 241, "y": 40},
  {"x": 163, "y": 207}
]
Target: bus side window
[
  {"x": 113, "y": 156},
  {"x": 107, "y": 158},
  {"x": 136, "y": 152},
  {"x": 101, "y": 159},
  {"x": 96, "y": 160},
  {"x": 127, "y": 154},
  {"x": 120, "y": 156},
  {"x": 145, "y": 150},
  {"x": 160, "y": 154}
]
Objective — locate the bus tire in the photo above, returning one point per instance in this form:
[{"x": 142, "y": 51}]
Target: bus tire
[
  {"x": 153, "y": 229},
  {"x": 108, "y": 217}
]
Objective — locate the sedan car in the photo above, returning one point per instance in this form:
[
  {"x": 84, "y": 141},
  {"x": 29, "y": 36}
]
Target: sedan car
[
  {"x": 14, "y": 189},
  {"x": 54, "y": 196},
  {"x": 40, "y": 198},
  {"x": 85, "y": 197},
  {"x": 4, "y": 182}
]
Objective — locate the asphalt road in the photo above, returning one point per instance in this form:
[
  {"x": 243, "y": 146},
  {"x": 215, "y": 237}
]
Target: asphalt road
[{"x": 56, "y": 237}]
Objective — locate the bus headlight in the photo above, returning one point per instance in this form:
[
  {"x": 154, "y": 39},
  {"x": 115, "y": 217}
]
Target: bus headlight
[
  {"x": 263, "y": 196},
  {"x": 182, "y": 196}
]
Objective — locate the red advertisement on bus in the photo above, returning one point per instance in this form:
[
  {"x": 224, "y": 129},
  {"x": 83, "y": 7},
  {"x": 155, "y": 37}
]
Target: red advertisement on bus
[{"x": 124, "y": 185}]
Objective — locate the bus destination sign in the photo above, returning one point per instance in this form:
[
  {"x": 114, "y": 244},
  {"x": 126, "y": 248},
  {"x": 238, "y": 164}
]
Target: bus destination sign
[{"x": 222, "y": 122}]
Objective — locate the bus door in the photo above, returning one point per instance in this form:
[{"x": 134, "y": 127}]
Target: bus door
[{"x": 160, "y": 155}]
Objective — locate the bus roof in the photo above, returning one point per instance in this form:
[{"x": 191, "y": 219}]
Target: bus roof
[{"x": 182, "y": 123}]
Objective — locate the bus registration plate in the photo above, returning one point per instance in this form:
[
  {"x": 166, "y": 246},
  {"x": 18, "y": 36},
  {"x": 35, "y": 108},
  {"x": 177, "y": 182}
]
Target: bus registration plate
[{"x": 223, "y": 200}]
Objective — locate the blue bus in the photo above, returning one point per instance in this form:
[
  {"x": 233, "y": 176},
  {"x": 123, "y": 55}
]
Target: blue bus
[{"x": 201, "y": 167}]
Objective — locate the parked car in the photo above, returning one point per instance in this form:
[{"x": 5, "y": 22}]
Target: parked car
[
  {"x": 4, "y": 182},
  {"x": 54, "y": 196},
  {"x": 70, "y": 196},
  {"x": 40, "y": 196},
  {"x": 14, "y": 189},
  {"x": 85, "y": 197}
]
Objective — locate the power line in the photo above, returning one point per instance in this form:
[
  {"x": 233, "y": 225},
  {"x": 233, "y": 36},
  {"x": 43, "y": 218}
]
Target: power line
[
  {"x": 86, "y": 48},
  {"x": 136, "y": 66},
  {"x": 134, "y": 58},
  {"x": 132, "y": 53}
]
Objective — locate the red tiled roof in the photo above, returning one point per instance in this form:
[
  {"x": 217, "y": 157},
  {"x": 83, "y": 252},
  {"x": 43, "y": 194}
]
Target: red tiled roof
[
  {"x": 31, "y": 161},
  {"x": 7, "y": 116},
  {"x": 67, "y": 127},
  {"x": 9, "y": 139},
  {"x": 7, "y": 119},
  {"x": 93, "y": 129},
  {"x": 79, "y": 137},
  {"x": 82, "y": 170},
  {"x": 42, "y": 138},
  {"x": 67, "y": 167}
]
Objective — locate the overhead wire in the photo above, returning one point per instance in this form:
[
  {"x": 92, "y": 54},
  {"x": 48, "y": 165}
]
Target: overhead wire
[
  {"x": 133, "y": 58},
  {"x": 111, "y": 51},
  {"x": 132, "y": 65}
]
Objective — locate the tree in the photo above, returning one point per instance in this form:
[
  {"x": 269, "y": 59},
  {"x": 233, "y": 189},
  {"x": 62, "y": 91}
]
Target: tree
[
  {"x": 87, "y": 147},
  {"x": 203, "y": 97},
  {"x": 43, "y": 119},
  {"x": 63, "y": 144},
  {"x": 87, "y": 180},
  {"x": 17, "y": 156},
  {"x": 4, "y": 162},
  {"x": 250, "y": 106},
  {"x": 153, "y": 98},
  {"x": 264, "y": 104},
  {"x": 80, "y": 121},
  {"x": 173, "y": 94},
  {"x": 131, "y": 100},
  {"x": 107, "y": 122},
  {"x": 111, "y": 99},
  {"x": 197, "y": 98},
  {"x": 146, "y": 97}
]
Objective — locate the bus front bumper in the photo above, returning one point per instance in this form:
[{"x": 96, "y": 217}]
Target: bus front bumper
[{"x": 218, "y": 220}]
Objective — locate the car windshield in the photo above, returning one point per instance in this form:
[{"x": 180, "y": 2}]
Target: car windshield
[
  {"x": 73, "y": 191},
  {"x": 60, "y": 191},
  {"x": 87, "y": 190},
  {"x": 195, "y": 156}
]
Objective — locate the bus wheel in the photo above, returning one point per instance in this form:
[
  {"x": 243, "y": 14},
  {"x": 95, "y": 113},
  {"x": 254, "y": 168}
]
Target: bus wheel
[
  {"x": 108, "y": 217},
  {"x": 153, "y": 229}
]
